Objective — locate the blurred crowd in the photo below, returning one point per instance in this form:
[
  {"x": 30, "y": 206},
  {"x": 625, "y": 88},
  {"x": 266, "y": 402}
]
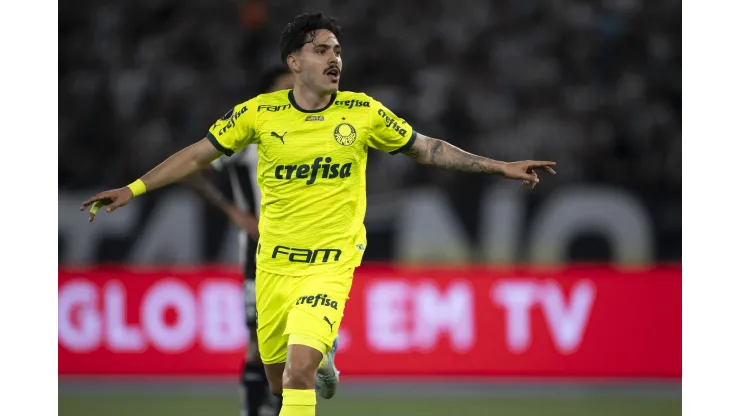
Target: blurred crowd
[{"x": 593, "y": 85}]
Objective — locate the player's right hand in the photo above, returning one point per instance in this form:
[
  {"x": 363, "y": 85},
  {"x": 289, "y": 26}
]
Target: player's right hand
[{"x": 115, "y": 198}]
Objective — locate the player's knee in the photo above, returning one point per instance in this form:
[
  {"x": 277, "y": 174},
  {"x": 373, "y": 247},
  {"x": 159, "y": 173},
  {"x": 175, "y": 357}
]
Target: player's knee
[{"x": 300, "y": 374}]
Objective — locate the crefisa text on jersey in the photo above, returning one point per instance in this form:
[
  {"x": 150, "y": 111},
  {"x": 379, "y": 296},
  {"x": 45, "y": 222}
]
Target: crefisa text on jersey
[
  {"x": 329, "y": 170},
  {"x": 353, "y": 103},
  {"x": 392, "y": 123},
  {"x": 232, "y": 120}
]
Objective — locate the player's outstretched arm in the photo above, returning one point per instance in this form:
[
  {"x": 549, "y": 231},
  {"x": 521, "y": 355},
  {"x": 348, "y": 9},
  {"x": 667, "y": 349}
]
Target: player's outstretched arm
[
  {"x": 246, "y": 220},
  {"x": 434, "y": 152},
  {"x": 176, "y": 167}
]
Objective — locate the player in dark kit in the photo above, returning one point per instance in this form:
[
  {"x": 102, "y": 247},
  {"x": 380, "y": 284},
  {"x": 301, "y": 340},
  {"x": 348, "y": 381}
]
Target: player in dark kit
[
  {"x": 312, "y": 144},
  {"x": 242, "y": 209}
]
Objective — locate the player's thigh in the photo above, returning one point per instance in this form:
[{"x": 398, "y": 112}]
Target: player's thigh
[
  {"x": 317, "y": 310},
  {"x": 273, "y": 304}
]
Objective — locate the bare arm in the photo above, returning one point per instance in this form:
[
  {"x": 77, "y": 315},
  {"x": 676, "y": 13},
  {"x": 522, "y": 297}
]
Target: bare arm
[
  {"x": 180, "y": 165},
  {"x": 434, "y": 152},
  {"x": 439, "y": 153}
]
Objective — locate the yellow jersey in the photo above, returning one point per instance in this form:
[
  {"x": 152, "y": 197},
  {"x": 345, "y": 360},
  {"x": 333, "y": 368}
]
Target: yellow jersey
[{"x": 311, "y": 171}]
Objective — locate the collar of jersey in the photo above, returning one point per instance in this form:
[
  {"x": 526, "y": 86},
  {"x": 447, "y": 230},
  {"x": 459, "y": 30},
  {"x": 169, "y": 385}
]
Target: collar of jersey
[{"x": 297, "y": 107}]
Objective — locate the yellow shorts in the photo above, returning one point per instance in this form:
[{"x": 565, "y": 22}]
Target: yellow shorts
[{"x": 303, "y": 310}]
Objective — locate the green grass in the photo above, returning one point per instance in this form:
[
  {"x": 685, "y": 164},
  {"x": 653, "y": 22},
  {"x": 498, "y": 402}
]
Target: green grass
[{"x": 125, "y": 405}]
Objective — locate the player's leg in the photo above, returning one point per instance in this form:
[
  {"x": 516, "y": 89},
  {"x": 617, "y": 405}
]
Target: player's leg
[
  {"x": 255, "y": 380},
  {"x": 275, "y": 400},
  {"x": 327, "y": 376},
  {"x": 255, "y": 393},
  {"x": 274, "y": 374},
  {"x": 272, "y": 293},
  {"x": 312, "y": 327},
  {"x": 299, "y": 377}
]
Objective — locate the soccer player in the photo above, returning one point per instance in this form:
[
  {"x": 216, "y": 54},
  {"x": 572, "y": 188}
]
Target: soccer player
[
  {"x": 312, "y": 145},
  {"x": 242, "y": 172}
]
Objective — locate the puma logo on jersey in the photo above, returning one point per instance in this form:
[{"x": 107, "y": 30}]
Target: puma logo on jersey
[{"x": 273, "y": 134}]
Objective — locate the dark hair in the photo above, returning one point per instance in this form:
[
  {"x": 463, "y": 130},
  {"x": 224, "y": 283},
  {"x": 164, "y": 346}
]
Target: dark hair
[
  {"x": 303, "y": 29},
  {"x": 270, "y": 76}
]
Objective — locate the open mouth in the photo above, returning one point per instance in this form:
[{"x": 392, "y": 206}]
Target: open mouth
[{"x": 333, "y": 74}]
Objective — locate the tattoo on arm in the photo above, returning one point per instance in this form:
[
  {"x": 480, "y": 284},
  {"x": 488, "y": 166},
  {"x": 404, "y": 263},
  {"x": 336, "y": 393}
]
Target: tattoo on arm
[
  {"x": 435, "y": 152},
  {"x": 413, "y": 152}
]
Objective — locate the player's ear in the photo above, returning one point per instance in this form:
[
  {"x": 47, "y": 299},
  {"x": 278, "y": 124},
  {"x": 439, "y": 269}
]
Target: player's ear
[{"x": 293, "y": 63}]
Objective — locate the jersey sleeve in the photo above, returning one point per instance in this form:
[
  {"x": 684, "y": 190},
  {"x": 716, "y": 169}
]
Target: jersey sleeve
[
  {"x": 388, "y": 132},
  {"x": 236, "y": 129}
]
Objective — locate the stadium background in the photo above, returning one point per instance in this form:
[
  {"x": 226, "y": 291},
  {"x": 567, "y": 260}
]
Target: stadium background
[{"x": 593, "y": 85}]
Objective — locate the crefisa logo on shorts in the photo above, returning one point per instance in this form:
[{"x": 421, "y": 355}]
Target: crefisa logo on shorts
[{"x": 321, "y": 299}]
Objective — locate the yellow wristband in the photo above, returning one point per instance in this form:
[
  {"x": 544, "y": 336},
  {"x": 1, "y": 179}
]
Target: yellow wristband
[{"x": 137, "y": 187}]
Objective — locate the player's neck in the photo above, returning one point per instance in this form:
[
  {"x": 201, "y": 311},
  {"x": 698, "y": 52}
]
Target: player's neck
[{"x": 308, "y": 99}]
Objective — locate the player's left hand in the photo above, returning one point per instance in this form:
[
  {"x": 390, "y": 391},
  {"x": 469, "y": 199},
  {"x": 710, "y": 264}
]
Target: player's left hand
[{"x": 526, "y": 171}]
